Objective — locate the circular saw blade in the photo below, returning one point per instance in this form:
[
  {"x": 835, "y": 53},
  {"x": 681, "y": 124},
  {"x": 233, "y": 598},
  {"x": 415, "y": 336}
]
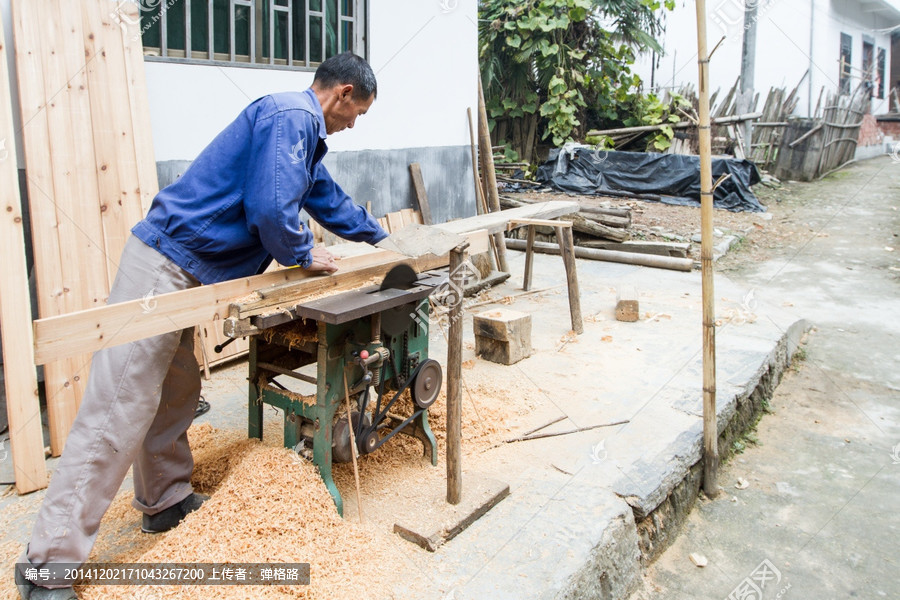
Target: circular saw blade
[{"x": 400, "y": 277}]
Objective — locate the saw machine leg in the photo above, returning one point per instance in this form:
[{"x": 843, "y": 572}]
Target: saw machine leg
[
  {"x": 327, "y": 403},
  {"x": 254, "y": 399}
]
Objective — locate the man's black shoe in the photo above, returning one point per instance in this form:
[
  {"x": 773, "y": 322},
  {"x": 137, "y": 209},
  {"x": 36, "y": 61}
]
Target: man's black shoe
[
  {"x": 172, "y": 516},
  {"x": 29, "y": 591}
]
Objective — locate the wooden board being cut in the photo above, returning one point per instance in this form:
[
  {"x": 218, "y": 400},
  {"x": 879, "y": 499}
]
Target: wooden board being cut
[{"x": 58, "y": 337}]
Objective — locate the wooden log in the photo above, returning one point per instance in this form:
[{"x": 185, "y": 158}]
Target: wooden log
[
  {"x": 631, "y": 195},
  {"x": 629, "y": 258},
  {"x": 624, "y": 213},
  {"x": 90, "y": 330},
  {"x": 627, "y": 306},
  {"x": 418, "y": 182},
  {"x": 608, "y": 220},
  {"x": 481, "y": 203},
  {"x": 676, "y": 249},
  {"x": 454, "y": 382},
  {"x": 582, "y": 225},
  {"x": 490, "y": 176},
  {"x": 680, "y": 125},
  {"x": 20, "y": 379},
  {"x": 564, "y": 235}
]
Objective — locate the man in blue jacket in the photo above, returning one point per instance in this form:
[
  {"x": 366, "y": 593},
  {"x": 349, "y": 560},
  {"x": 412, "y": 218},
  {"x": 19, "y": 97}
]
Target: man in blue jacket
[{"x": 234, "y": 210}]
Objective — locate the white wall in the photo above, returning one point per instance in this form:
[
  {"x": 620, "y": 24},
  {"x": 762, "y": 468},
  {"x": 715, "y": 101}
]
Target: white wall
[
  {"x": 13, "y": 85},
  {"x": 782, "y": 48},
  {"x": 424, "y": 54}
]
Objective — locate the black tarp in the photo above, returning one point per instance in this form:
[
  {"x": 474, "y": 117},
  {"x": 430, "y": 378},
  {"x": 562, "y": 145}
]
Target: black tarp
[{"x": 673, "y": 177}]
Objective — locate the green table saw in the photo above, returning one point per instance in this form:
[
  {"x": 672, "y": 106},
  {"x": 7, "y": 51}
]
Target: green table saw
[{"x": 373, "y": 340}]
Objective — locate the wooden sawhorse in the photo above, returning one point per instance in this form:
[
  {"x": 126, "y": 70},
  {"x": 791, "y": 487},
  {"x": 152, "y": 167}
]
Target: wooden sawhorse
[{"x": 567, "y": 250}]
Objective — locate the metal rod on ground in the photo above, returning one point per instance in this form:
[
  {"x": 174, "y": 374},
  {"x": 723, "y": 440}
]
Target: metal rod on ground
[
  {"x": 487, "y": 168},
  {"x": 454, "y": 379},
  {"x": 538, "y": 436},
  {"x": 353, "y": 449},
  {"x": 628, "y": 258},
  {"x": 479, "y": 195},
  {"x": 710, "y": 428}
]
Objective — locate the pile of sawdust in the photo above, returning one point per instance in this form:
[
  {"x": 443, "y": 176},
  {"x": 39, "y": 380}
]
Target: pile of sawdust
[
  {"x": 269, "y": 505},
  {"x": 266, "y": 505}
]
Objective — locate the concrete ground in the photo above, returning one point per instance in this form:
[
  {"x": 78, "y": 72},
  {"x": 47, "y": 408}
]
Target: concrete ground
[
  {"x": 587, "y": 510},
  {"x": 822, "y": 471}
]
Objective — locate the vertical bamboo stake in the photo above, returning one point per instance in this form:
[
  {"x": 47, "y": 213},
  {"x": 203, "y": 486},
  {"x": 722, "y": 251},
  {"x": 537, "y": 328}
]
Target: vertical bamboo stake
[
  {"x": 710, "y": 428},
  {"x": 353, "y": 449},
  {"x": 454, "y": 379}
]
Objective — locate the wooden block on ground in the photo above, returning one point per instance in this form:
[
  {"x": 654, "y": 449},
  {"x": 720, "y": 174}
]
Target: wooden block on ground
[
  {"x": 435, "y": 521},
  {"x": 503, "y": 336},
  {"x": 627, "y": 308}
]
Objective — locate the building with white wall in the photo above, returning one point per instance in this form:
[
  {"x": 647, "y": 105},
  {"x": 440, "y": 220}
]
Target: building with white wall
[
  {"x": 207, "y": 59},
  {"x": 798, "y": 42}
]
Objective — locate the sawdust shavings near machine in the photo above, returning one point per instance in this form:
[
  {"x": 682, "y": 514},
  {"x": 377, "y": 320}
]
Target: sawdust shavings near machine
[{"x": 373, "y": 342}]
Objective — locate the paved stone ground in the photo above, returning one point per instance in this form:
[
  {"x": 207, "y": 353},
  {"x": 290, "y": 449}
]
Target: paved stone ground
[{"x": 824, "y": 469}]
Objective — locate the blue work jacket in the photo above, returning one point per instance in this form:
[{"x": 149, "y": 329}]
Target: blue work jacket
[{"x": 237, "y": 206}]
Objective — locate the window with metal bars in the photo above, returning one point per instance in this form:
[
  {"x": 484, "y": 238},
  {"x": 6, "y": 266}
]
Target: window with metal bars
[
  {"x": 290, "y": 33},
  {"x": 846, "y": 56}
]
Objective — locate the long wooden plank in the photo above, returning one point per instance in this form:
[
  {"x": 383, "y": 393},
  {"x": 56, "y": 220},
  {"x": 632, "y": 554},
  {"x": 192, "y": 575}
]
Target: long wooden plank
[
  {"x": 89, "y": 160},
  {"x": 496, "y": 222},
  {"x": 23, "y": 407},
  {"x": 104, "y": 326},
  {"x": 113, "y": 132},
  {"x": 418, "y": 182},
  {"x": 138, "y": 100},
  {"x": 115, "y": 324},
  {"x": 48, "y": 225}
]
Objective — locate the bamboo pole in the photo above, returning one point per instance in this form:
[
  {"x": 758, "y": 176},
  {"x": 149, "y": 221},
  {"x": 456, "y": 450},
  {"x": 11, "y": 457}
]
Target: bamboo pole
[{"x": 710, "y": 428}]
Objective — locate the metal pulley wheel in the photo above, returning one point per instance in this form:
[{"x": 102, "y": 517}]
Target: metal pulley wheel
[
  {"x": 341, "y": 450},
  {"x": 427, "y": 386}
]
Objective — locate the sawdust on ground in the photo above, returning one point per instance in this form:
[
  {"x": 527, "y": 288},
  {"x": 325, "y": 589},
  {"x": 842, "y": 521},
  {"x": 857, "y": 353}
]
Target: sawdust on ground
[{"x": 269, "y": 505}]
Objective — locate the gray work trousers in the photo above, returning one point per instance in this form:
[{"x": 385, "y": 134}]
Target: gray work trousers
[{"x": 139, "y": 402}]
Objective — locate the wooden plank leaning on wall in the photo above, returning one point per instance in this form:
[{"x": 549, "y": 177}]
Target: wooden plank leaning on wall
[
  {"x": 23, "y": 407},
  {"x": 90, "y": 168}
]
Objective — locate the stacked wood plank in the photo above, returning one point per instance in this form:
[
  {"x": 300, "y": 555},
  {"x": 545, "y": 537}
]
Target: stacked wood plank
[
  {"x": 89, "y": 161},
  {"x": 25, "y": 434}
]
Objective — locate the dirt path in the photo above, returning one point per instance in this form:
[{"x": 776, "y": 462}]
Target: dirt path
[{"x": 808, "y": 509}]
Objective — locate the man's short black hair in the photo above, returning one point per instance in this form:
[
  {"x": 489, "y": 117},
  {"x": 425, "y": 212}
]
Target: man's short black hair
[{"x": 345, "y": 68}]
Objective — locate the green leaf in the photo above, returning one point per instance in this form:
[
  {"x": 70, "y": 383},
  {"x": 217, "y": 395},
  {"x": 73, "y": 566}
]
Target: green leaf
[{"x": 514, "y": 40}]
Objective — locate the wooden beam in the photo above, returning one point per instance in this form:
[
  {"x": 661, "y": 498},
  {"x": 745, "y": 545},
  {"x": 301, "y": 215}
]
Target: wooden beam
[
  {"x": 90, "y": 330},
  {"x": 454, "y": 382},
  {"x": 516, "y": 223},
  {"x": 418, "y": 182},
  {"x": 22, "y": 405}
]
